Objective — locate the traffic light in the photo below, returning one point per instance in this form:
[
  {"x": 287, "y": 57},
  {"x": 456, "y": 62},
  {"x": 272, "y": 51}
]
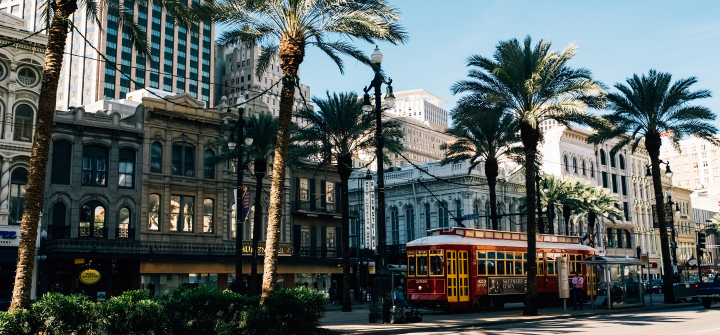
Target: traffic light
[{"x": 701, "y": 240}]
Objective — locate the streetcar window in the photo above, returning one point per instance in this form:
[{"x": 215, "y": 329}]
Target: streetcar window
[
  {"x": 436, "y": 263},
  {"x": 482, "y": 270},
  {"x": 500, "y": 267},
  {"x": 422, "y": 265},
  {"x": 540, "y": 265},
  {"x": 551, "y": 264},
  {"x": 491, "y": 267},
  {"x": 500, "y": 255},
  {"x": 411, "y": 265},
  {"x": 482, "y": 254},
  {"x": 574, "y": 261},
  {"x": 509, "y": 268},
  {"x": 518, "y": 268}
]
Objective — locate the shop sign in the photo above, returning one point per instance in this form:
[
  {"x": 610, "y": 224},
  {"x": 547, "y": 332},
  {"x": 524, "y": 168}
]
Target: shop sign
[
  {"x": 669, "y": 221},
  {"x": 246, "y": 249},
  {"x": 509, "y": 285},
  {"x": 9, "y": 238},
  {"x": 89, "y": 277},
  {"x": 369, "y": 204},
  {"x": 100, "y": 296},
  {"x": 371, "y": 268},
  {"x": 79, "y": 261}
]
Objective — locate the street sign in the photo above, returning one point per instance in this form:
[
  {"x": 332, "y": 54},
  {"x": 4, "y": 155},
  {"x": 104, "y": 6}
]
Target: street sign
[
  {"x": 79, "y": 261},
  {"x": 669, "y": 222},
  {"x": 471, "y": 217},
  {"x": 644, "y": 259},
  {"x": 369, "y": 205}
]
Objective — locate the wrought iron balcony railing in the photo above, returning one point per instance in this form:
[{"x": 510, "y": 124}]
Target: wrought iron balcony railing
[{"x": 307, "y": 206}]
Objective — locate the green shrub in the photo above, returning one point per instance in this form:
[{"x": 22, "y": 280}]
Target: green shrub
[
  {"x": 21, "y": 322},
  {"x": 65, "y": 314},
  {"x": 133, "y": 312},
  {"x": 294, "y": 311}
]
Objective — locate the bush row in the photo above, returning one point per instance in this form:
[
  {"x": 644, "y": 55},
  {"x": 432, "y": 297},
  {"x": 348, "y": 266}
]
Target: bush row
[{"x": 191, "y": 311}]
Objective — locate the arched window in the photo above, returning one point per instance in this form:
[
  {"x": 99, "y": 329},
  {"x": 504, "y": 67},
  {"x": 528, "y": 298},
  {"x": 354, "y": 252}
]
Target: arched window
[
  {"x": 23, "y": 123},
  {"x": 154, "y": 212},
  {"x": 18, "y": 180},
  {"x": 182, "y": 209},
  {"x": 233, "y": 222},
  {"x": 575, "y": 166},
  {"x": 592, "y": 170},
  {"x": 92, "y": 220},
  {"x": 156, "y": 157},
  {"x": 61, "y": 159},
  {"x": 410, "y": 223},
  {"x": 126, "y": 168},
  {"x": 476, "y": 210},
  {"x": 183, "y": 159},
  {"x": 57, "y": 229},
  {"x": 124, "y": 230},
  {"x": 621, "y": 160},
  {"x": 602, "y": 157},
  {"x": 94, "y": 166},
  {"x": 582, "y": 166},
  {"x": 442, "y": 215},
  {"x": 208, "y": 211},
  {"x": 458, "y": 209},
  {"x": 394, "y": 226},
  {"x": 209, "y": 164},
  {"x": 428, "y": 223},
  {"x": 628, "y": 239},
  {"x": 488, "y": 221},
  {"x": 565, "y": 161}
]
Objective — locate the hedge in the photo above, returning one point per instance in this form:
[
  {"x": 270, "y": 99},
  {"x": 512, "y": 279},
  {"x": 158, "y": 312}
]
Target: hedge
[{"x": 185, "y": 311}]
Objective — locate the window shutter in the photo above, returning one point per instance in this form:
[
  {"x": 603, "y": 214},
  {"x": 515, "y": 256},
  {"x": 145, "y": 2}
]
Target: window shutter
[
  {"x": 313, "y": 201},
  {"x": 338, "y": 241},
  {"x": 338, "y": 199},
  {"x": 296, "y": 238},
  {"x": 313, "y": 241},
  {"x": 323, "y": 194},
  {"x": 297, "y": 193},
  {"x": 323, "y": 241}
]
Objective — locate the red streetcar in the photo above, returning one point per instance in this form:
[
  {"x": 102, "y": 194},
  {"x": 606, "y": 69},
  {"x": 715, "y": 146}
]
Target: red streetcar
[{"x": 462, "y": 268}]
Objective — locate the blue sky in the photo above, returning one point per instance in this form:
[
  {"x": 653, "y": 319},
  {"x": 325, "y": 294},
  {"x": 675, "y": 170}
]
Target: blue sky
[{"x": 615, "y": 38}]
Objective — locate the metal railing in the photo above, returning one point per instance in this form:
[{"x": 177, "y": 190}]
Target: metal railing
[
  {"x": 59, "y": 232},
  {"x": 307, "y": 206},
  {"x": 318, "y": 252}
]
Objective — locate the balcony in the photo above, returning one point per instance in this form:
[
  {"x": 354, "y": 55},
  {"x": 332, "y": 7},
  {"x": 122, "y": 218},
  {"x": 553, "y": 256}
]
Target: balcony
[
  {"x": 318, "y": 252},
  {"x": 312, "y": 208}
]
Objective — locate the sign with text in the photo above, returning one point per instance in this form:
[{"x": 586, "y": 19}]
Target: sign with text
[
  {"x": 507, "y": 285},
  {"x": 669, "y": 222},
  {"x": 89, "y": 276},
  {"x": 369, "y": 204},
  {"x": 10, "y": 238},
  {"x": 563, "y": 275},
  {"x": 471, "y": 217}
]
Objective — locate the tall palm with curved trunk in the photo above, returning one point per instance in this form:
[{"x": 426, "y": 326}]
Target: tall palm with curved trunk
[
  {"x": 336, "y": 132},
  {"x": 56, "y": 15},
  {"x": 535, "y": 84},
  {"x": 556, "y": 191},
  {"x": 599, "y": 201},
  {"x": 285, "y": 28},
  {"x": 642, "y": 109},
  {"x": 485, "y": 134},
  {"x": 261, "y": 128}
]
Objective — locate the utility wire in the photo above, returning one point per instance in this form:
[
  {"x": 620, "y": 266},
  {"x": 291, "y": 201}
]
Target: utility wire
[{"x": 23, "y": 39}]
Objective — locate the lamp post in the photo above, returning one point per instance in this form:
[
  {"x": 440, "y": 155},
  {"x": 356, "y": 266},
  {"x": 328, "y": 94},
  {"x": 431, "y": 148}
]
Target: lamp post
[
  {"x": 539, "y": 203},
  {"x": 367, "y": 176},
  {"x": 673, "y": 244},
  {"x": 380, "y": 308},
  {"x": 239, "y": 217}
]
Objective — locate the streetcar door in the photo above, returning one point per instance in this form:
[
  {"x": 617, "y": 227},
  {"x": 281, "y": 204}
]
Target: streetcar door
[
  {"x": 463, "y": 275},
  {"x": 452, "y": 275}
]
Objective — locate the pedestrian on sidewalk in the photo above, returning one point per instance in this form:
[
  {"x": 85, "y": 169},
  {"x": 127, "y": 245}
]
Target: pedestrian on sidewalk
[
  {"x": 400, "y": 298},
  {"x": 577, "y": 286}
]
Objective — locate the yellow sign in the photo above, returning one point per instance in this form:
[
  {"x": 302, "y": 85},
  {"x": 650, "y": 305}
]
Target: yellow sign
[
  {"x": 89, "y": 277},
  {"x": 371, "y": 268},
  {"x": 80, "y": 261},
  {"x": 246, "y": 249}
]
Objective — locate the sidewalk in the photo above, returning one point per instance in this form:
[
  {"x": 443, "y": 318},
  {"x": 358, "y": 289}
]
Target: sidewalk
[{"x": 356, "y": 322}]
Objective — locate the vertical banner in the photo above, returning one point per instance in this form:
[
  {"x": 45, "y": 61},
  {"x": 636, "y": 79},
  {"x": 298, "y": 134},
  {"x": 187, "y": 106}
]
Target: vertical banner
[
  {"x": 245, "y": 203},
  {"x": 369, "y": 206}
]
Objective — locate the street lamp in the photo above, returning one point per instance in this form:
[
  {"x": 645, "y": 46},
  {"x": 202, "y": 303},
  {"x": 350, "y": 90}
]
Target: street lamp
[
  {"x": 672, "y": 227},
  {"x": 668, "y": 172},
  {"x": 239, "y": 218},
  {"x": 380, "y": 308}
]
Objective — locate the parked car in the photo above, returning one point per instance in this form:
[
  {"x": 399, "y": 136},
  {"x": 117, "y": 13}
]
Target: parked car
[
  {"x": 656, "y": 286},
  {"x": 709, "y": 292}
]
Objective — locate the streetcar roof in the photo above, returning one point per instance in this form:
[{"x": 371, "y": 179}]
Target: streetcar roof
[{"x": 459, "y": 240}]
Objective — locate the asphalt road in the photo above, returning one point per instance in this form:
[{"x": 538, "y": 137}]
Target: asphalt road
[{"x": 693, "y": 320}]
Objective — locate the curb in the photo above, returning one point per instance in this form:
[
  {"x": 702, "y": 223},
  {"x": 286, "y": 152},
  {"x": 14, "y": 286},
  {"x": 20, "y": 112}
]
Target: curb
[{"x": 517, "y": 320}]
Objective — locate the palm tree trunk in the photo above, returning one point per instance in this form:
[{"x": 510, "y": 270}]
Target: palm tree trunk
[
  {"x": 344, "y": 169},
  {"x": 551, "y": 215},
  {"x": 652, "y": 144},
  {"x": 566, "y": 218},
  {"x": 41, "y": 147},
  {"x": 591, "y": 228},
  {"x": 291, "y": 54},
  {"x": 530, "y": 138},
  {"x": 260, "y": 168},
  {"x": 491, "y": 172}
]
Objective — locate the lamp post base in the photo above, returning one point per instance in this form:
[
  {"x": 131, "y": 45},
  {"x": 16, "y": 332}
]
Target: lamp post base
[{"x": 381, "y": 299}]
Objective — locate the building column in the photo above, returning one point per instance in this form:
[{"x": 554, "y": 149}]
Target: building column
[{"x": 5, "y": 190}]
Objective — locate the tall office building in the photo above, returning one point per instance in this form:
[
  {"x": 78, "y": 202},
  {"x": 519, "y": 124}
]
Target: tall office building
[{"x": 180, "y": 59}]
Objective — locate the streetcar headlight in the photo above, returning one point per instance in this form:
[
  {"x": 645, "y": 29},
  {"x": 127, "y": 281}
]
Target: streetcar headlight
[{"x": 419, "y": 288}]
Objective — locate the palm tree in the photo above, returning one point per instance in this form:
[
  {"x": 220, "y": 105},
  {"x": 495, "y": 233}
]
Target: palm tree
[
  {"x": 556, "y": 192},
  {"x": 286, "y": 28},
  {"x": 535, "y": 84},
  {"x": 484, "y": 135},
  {"x": 261, "y": 128},
  {"x": 646, "y": 107},
  {"x": 599, "y": 201},
  {"x": 337, "y": 131},
  {"x": 56, "y": 14}
]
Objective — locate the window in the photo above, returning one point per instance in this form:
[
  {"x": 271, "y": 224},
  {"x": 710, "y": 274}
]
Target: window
[
  {"x": 602, "y": 157},
  {"x": 208, "y": 210},
  {"x": 565, "y": 161},
  {"x": 94, "y": 166},
  {"x": 575, "y": 166},
  {"x": 26, "y": 76},
  {"x": 611, "y": 238},
  {"x": 233, "y": 221},
  {"x": 614, "y": 183},
  {"x": 428, "y": 224},
  {"x": 303, "y": 189},
  {"x": 18, "y": 180},
  {"x": 23, "y": 123},
  {"x": 422, "y": 263},
  {"x": 154, "y": 212},
  {"x": 61, "y": 159},
  {"x": 127, "y": 167},
  {"x": 436, "y": 263},
  {"x": 156, "y": 157},
  {"x": 592, "y": 170},
  {"x": 92, "y": 220},
  {"x": 124, "y": 223},
  {"x": 442, "y": 215},
  {"x": 499, "y": 263},
  {"x": 394, "y": 226},
  {"x": 209, "y": 164},
  {"x": 410, "y": 223},
  {"x": 604, "y": 179},
  {"x": 330, "y": 196},
  {"x": 181, "y": 213},
  {"x": 621, "y": 160},
  {"x": 623, "y": 185},
  {"x": 183, "y": 160},
  {"x": 582, "y": 167},
  {"x": 626, "y": 211},
  {"x": 612, "y": 161}
]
